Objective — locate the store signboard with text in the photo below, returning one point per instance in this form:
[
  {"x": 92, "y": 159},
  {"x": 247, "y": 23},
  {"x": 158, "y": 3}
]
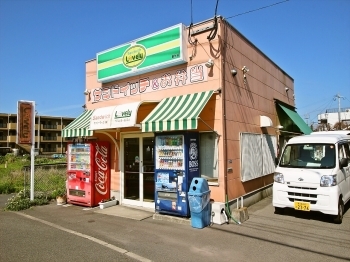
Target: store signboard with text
[
  {"x": 159, "y": 50},
  {"x": 25, "y": 122},
  {"x": 185, "y": 76},
  {"x": 114, "y": 116}
]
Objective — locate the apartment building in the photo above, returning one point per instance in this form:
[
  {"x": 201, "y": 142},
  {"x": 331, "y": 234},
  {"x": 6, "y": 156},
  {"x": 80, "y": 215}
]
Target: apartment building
[{"x": 48, "y": 139}]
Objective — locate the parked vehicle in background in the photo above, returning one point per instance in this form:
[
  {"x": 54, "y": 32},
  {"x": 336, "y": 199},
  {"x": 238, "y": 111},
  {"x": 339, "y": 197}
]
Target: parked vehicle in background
[
  {"x": 5, "y": 150},
  {"x": 313, "y": 174}
]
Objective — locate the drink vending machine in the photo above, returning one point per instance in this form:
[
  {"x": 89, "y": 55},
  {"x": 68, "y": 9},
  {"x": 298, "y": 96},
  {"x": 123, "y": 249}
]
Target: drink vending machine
[
  {"x": 88, "y": 173},
  {"x": 176, "y": 164}
]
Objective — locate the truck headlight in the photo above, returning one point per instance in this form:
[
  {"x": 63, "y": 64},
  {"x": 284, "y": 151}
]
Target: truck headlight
[
  {"x": 329, "y": 180},
  {"x": 279, "y": 178}
]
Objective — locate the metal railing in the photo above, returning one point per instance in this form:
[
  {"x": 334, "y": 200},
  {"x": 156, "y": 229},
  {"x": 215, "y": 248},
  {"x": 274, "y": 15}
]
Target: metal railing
[
  {"x": 49, "y": 138},
  {"x": 49, "y": 126},
  {"x": 336, "y": 110}
]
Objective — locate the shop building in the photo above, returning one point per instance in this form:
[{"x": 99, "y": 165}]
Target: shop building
[{"x": 207, "y": 78}]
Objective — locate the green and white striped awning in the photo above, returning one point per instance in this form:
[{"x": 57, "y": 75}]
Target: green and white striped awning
[
  {"x": 80, "y": 126},
  {"x": 176, "y": 113}
]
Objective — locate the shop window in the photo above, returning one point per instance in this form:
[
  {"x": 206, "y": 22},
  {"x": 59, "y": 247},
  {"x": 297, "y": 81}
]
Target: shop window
[
  {"x": 208, "y": 154},
  {"x": 258, "y": 153}
]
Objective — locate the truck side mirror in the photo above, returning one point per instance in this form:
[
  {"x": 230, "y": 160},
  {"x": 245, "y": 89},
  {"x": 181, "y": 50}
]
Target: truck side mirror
[
  {"x": 276, "y": 161},
  {"x": 343, "y": 162}
]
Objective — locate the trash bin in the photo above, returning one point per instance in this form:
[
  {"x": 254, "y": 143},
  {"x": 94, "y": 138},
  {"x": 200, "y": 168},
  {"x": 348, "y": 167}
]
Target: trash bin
[{"x": 198, "y": 199}]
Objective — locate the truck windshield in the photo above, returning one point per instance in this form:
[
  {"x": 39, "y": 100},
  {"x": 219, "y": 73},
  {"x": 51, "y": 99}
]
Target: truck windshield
[{"x": 317, "y": 156}]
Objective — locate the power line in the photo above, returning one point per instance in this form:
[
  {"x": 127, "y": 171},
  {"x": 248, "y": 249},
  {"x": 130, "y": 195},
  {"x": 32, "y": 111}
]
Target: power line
[
  {"x": 256, "y": 9},
  {"x": 213, "y": 32},
  {"x": 189, "y": 29}
]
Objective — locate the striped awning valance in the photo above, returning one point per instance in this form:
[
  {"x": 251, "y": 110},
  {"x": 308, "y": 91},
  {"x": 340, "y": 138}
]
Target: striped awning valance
[
  {"x": 80, "y": 126},
  {"x": 176, "y": 113}
]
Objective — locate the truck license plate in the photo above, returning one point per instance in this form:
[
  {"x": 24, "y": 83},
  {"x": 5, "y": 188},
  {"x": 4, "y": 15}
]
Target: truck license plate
[{"x": 304, "y": 206}]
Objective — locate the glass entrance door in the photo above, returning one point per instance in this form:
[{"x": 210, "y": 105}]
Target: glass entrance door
[{"x": 138, "y": 167}]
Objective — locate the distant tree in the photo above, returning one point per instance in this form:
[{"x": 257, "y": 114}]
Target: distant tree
[
  {"x": 323, "y": 127},
  {"x": 341, "y": 125}
]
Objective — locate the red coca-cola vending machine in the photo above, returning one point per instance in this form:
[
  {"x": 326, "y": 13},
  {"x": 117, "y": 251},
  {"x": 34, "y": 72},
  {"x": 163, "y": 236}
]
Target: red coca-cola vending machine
[{"x": 88, "y": 173}]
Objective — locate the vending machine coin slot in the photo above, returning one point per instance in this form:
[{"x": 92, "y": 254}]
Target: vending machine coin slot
[{"x": 71, "y": 175}]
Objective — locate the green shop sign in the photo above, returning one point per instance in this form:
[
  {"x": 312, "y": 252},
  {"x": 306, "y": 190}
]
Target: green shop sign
[{"x": 156, "y": 51}]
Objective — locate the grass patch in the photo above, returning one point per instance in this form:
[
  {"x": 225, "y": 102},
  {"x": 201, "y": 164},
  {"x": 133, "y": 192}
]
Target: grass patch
[{"x": 14, "y": 178}]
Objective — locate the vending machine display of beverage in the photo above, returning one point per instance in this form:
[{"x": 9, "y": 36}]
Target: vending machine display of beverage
[
  {"x": 177, "y": 163},
  {"x": 88, "y": 173}
]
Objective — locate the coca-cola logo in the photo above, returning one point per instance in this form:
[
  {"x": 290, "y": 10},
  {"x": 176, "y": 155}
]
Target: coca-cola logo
[{"x": 101, "y": 160}]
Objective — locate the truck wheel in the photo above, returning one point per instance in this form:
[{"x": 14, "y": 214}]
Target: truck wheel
[
  {"x": 339, "y": 218},
  {"x": 279, "y": 210}
]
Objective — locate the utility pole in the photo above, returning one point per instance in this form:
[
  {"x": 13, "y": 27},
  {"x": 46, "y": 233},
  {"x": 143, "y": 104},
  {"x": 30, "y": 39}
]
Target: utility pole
[
  {"x": 337, "y": 96},
  {"x": 307, "y": 116}
]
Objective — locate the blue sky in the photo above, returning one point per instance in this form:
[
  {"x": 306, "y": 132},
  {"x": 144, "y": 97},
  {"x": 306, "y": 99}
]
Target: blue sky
[{"x": 44, "y": 44}]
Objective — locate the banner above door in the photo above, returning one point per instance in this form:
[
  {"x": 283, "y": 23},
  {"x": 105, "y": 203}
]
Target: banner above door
[{"x": 114, "y": 116}]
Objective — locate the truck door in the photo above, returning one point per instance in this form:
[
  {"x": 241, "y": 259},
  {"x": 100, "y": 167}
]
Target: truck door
[{"x": 344, "y": 179}]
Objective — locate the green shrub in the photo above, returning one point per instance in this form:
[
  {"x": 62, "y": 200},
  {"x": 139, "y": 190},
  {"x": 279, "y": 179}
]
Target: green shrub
[
  {"x": 10, "y": 158},
  {"x": 59, "y": 192},
  {"x": 7, "y": 188},
  {"x": 21, "y": 201},
  {"x": 42, "y": 160}
]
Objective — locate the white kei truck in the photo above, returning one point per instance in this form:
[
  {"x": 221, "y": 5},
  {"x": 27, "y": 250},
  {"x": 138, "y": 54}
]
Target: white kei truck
[{"x": 313, "y": 174}]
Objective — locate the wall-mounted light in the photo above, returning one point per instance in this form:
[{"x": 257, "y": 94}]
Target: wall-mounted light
[
  {"x": 209, "y": 64},
  {"x": 233, "y": 72},
  {"x": 286, "y": 88},
  {"x": 245, "y": 70},
  {"x": 86, "y": 92}
]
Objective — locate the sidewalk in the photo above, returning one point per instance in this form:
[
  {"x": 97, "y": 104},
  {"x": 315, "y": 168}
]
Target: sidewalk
[
  {"x": 130, "y": 212},
  {"x": 135, "y": 234}
]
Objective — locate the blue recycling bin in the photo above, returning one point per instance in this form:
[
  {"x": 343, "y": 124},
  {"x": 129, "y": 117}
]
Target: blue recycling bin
[{"x": 199, "y": 202}]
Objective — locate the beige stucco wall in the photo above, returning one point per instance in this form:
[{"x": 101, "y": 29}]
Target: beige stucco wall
[{"x": 245, "y": 99}]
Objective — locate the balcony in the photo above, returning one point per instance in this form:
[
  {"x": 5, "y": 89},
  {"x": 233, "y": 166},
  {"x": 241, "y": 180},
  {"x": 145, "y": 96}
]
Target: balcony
[
  {"x": 3, "y": 138},
  {"x": 12, "y": 139},
  {"x": 3, "y": 126},
  {"x": 50, "y": 127},
  {"x": 49, "y": 138},
  {"x": 12, "y": 126}
]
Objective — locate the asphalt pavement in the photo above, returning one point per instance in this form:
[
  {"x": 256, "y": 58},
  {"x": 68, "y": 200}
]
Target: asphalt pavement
[{"x": 75, "y": 233}]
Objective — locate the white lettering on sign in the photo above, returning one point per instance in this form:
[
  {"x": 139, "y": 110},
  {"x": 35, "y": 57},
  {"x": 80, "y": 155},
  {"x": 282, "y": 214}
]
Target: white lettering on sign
[
  {"x": 173, "y": 79},
  {"x": 101, "y": 160}
]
